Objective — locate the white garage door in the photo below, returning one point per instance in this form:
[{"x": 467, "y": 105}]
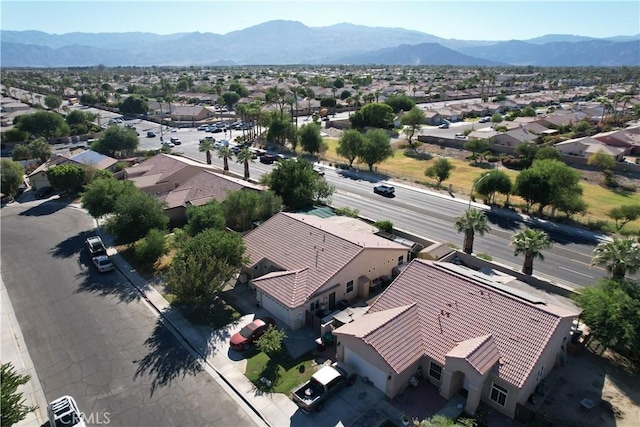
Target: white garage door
[
  {"x": 366, "y": 369},
  {"x": 274, "y": 308}
]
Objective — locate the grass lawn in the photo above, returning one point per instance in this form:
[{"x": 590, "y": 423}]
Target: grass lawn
[
  {"x": 599, "y": 199},
  {"x": 284, "y": 372}
]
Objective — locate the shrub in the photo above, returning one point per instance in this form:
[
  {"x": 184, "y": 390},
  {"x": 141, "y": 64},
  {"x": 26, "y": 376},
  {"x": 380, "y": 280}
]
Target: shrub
[
  {"x": 384, "y": 225},
  {"x": 149, "y": 249},
  {"x": 346, "y": 211}
]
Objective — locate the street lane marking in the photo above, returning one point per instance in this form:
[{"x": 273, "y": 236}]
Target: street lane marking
[{"x": 576, "y": 272}]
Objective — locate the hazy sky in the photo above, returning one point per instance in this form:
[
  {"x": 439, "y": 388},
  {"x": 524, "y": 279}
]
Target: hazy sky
[{"x": 467, "y": 19}]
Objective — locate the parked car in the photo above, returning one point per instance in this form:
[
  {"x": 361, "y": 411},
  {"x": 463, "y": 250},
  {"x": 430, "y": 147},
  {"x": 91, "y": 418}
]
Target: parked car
[
  {"x": 385, "y": 190},
  {"x": 151, "y": 134},
  {"x": 444, "y": 126},
  {"x": 64, "y": 412},
  {"x": 202, "y": 127},
  {"x": 44, "y": 192},
  {"x": 175, "y": 140},
  {"x": 319, "y": 170},
  {"x": 485, "y": 120},
  {"x": 268, "y": 159},
  {"x": 250, "y": 333},
  {"x": 95, "y": 246},
  {"x": 102, "y": 263},
  {"x": 312, "y": 395},
  {"x": 168, "y": 144},
  {"x": 460, "y": 136}
]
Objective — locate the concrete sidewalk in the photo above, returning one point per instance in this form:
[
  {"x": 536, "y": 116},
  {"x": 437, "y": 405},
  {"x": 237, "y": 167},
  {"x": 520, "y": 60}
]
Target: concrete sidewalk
[
  {"x": 271, "y": 410},
  {"x": 13, "y": 349}
]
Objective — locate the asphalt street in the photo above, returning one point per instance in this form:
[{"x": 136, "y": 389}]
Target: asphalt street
[{"x": 90, "y": 335}]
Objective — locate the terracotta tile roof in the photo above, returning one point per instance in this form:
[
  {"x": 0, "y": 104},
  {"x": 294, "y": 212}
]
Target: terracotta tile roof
[
  {"x": 205, "y": 186},
  {"x": 296, "y": 241},
  {"x": 452, "y": 308},
  {"x": 394, "y": 334},
  {"x": 481, "y": 352},
  {"x": 162, "y": 166},
  {"x": 290, "y": 287}
]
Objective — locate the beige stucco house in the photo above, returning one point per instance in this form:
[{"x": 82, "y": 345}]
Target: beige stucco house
[
  {"x": 301, "y": 265},
  {"x": 465, "y": 333}
]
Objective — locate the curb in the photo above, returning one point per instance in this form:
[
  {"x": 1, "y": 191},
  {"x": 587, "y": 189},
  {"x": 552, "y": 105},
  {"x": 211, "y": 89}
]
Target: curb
[{"x": 125, "y": 268}]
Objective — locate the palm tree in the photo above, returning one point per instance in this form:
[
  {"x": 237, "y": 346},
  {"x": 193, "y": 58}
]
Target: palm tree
[
  {"x": 245, "y": 156},
  {"x": 530, "y": 243},
  {"x": 470, "y": 222},
  {"x": 619, "y": 257},
  {"x": 205, "y": 147},
  {"x": 225, "y": 154}
]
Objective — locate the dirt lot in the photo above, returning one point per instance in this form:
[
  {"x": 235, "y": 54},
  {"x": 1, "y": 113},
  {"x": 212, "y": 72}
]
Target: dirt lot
[{"x": 607, "y": 380}]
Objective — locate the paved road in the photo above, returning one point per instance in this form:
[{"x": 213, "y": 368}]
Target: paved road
[{"x": 91, "y": 336}]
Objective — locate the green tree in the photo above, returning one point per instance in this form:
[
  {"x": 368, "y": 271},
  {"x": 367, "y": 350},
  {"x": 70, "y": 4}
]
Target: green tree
[
  {"x": 101, "y": 195},
  {"x": 295, "y": 181},
  {"x": 209, "y": 215},
  {"x": 619, "y": 257},
  {"x": 116, "y": 141},
  {"x": 440, "y": 170},
  {"x": 21, "y": 152},
  {"x": 79, "y": 121},
  {"x": 470, "y": 222},
  {"x": 66, "y": 177},
  {"x": 476, "y": 146},
  {"x": 239, "y": 89},
  {"x": 547, "y": 182},
  {"x": 376, "y": 147},
  {"x": 204, "y": 264},
  {"x": 310, "y": 138},
  {"x": 376, "y": 115},
  {"x": 242, "y": 208},
  {"x": 412, "y": 122},
  {"x": 612, "y": 312},
  {"x": 206, "y": 146},
  {"x": 496, "y": 118},
  {"x": 12, "y": 174},
  {"x": 245, "y": 156},
  {"x": 548, "y": 153},
  {"x": 46, "y": 124},
  {"x": 271, "y": 341},
  {"x": 134, "y": 215},
  {"x": 134, "y": 104},
  {"x": 53, "y": 102},
  {"x": 603, "y": 161},
  {"x": 14, "y": 135},
  {"x": 350, "y": 144},
  {"x": 230, "y": 99},
  {"x": 624, "y": 214},
  {"x": 530, "y": 243},
  {"x": 528, "y": 151},
  {"x": 490, "y": 183},
  {"x": 40, "y": 149},
  {"x": 279, "y": 128},
  {"x": 13, "y": 408},
  {"x": 400, "y": 103},
  {"x": 152, "y": 247},
  {"x": 225, "y": 153}
]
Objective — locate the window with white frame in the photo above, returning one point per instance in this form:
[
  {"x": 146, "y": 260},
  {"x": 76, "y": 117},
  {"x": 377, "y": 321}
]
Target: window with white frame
[
  {"x": 499, "y": 394},
  {"x": 350, "y": 286},
  {"x": 400, "y": 260},
  {"x": 435, "y": 371}
]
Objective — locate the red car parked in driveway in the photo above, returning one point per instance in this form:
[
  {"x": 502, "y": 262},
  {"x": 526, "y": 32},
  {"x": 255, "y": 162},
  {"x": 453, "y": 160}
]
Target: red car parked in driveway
[{"x": 249, "y": 334}]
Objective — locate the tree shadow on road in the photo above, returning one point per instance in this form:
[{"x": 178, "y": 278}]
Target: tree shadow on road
[
  {"x": 109, "y": 284},
  {"x": 167, "y": 359},
  {"x": 46, "y": 208},
  {"x": 70, "y": 247}
]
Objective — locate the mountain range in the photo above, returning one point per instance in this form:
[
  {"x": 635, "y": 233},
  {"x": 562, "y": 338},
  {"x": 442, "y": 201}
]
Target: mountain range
[{"x": 290, "y": 42}]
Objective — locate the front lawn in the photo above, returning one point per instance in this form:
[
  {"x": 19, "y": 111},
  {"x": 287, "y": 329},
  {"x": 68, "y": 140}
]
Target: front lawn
[{"x": 284, "y": 372}]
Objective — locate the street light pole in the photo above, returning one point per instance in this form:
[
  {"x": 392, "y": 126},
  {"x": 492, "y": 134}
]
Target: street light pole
[{"x": 473, "y": 187}]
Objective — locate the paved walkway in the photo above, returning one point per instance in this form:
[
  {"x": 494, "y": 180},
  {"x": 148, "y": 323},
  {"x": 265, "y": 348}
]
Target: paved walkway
[{"x": 13, "y": 349}]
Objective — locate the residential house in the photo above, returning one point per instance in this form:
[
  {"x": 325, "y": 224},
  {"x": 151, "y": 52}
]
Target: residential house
[
  {"x": 302, "y": 265},
  {"x": 189, "y": 113},
  {"x": 79, "y": 156},
  {"x": 200, "y": 189},
  {"x": 163, "y": 173},
  {"x": 629, "y": 139},
  {"x": 563, "y": 118},
  {"x": 515, "y": 137},
  {"x": 463, "y": 331},
  {"x": 584, "y": 147}
]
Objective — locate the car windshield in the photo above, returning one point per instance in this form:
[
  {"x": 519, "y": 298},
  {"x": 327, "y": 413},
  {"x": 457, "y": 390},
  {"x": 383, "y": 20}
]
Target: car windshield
[
  {"x": 247, "y": 330},
  {"x": 104, "y": 262},
  {"x": 68, "y": 419}
]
